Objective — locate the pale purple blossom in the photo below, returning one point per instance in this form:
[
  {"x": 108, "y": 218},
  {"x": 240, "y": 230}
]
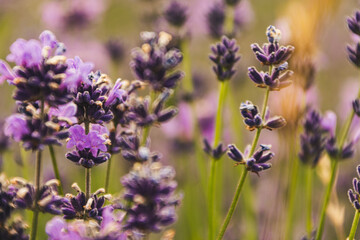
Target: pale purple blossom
[
  {"x": 16, "y": 127},
  {"x": 116, "y": 93},
  {"x": 77, "y": 73},
  {"x": 25, "y": 53}
]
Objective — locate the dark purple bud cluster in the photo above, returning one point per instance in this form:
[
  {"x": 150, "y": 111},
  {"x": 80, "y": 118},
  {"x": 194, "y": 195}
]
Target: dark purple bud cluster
[
  {"x": 115, "y": 50},
  {"x": 7, "y": 194},
  {"x": 333, "y": 150},
  {"x": 354, "y": 194},
  {"x": 94, "y": 101},
  {"x": 216, "y": 153},
  {"x": 313, "y": 139},
  {"x": 76, "y": 207},
  {"x": 47, "y": 199},
  {"x": 176, "y": 13},
  {"x": 356, "y": 106},
  {"x": 39, "y": 72},
  {"x": 278, "y": 79},
  {"x": 14, "y": 231},
  {"x": 354, "y": 26},
  {"x": 133, "y": 152},
  {"x": 90, "y": 149},
  {"x": 215, "y": 20},
  {"x": 272, "y": 53},
  {"x": 140, "y": 114},
  {"x": 154, "y": 63},
  {"x": 34, "y": 132},
  {"x": 257, "y": 162},
  {"x": 224, "y": 56},
  {"x": 253, "y": 119},
  {"x": 150, "y": 188}
]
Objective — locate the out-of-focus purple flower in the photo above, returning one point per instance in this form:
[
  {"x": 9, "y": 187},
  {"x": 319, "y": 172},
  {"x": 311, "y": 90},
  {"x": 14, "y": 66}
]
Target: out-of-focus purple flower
[
  {"x": 354, "y": 54},
  {"x": 215, "y": 19},
  {"x": 72, "y": 15},
  {"x": 255, "y": 163},
  {"x": 115, "y": 50},
  {"x": 16, "y": 127},
  {"x": 40, "y": 70},
  {"x": 150, "y": 189},
  {"x": 46, "y": 200},
  {"x": 279, "y": 78},
  {"x": 7, "y": 194},
  {"x": 139, "y": 111},
  {"x": 224, "y": 56},
  {"x": 14, "y": 231},
  {"x": 356, "y": 107},
  {"x": 354, "y": 194},
  {"x": 28, "y": 128},
  {"x": 312, "y": 141},
  {"x": 76, "y": 207},
  {"x": 64, "y": 114},
  {"x": 133, "y": 152},
  {"x": 176, "y": 13},
  {"x": 77, "y": 73},
  {"x": 272, "y": 53},
  {"x": 90, "y": 148},
  {"x": 216, "y": 152},
  {"x": 153, "y": 62},
  {"x": 57, "y": 229},
  {"x": 354, "y": 23}
]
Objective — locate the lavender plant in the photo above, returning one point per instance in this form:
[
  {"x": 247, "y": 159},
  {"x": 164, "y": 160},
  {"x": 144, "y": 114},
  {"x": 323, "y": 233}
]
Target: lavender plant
[{"x": 256, "y": 161}]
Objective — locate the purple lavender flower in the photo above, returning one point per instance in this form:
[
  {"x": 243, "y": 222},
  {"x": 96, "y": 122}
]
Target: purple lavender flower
[
  {"x": 278, "y": 79},
  {"x": 14, "y": 231},
  {"x": 7, "y": 194},
  {"x": 47, "y": 200},
  {"x": 149, "y": 188},
  {"x": 176, "y": 13},
  {"x": 77, "y": 206},
  {"x": 356, "y": 107},
  {"x": 109, "y": 229},
  {"x": 40, "y": 70},
  {"x": 34, "y": 133},
  {"x": 216, "y": 153},
  {"x": 224, "y": 56},
  {"x": 90, "y": 149},
  {"x": 251, "y": 114},
  {"x": 312, "y": 141},
  {"x": 215, "y": 19},
  {"x": 139, "y": 111},
  {"x": 354, "y": 54},
  {"x": 133, "y": 152},
  {"x": 64, "y": 114},
  {"x": 271, "y": 53},
  {"x": 94, "y": 102},
  {"x": 77, "y": 73},
  {"x": 354, "y": 194},
  {"x": 115, "y": 50},
  {"x": 153, "y": 61},
  {"x": 354, "y": 23},
  {"x": 255, "y": 163}
]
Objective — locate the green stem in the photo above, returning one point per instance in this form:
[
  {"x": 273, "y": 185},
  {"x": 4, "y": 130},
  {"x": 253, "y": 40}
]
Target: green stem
[
  {"x": 292, "y": 197},
  {"x": 187, "y": 81},
  {"x": 233, "y": 204},
  {"x": 146, "y": 130},
  {"x": 334, "y": 163},
  {"x": 213, "y": 164},
  {"x": 56, "y": 169},
  {"x": 243, "y": 176},
  {"x": 107, "y": 179},
  {"x": 229, "y": 20},
  {"x": 354, "y": 225},
  {"x": 309, "y": 183},
  {"x": 37, "y": 180},
  {"x": 334, "y": 166}
]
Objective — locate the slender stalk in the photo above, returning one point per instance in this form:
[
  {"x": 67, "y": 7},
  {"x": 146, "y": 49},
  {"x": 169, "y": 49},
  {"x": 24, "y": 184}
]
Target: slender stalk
[
  {"x": 243, "y": 176},
  {"x": 334, "y": 166},
  {"x": 146, "y": 130},
  {"x": 309, "y": 183},
  {"x": 233, "y": 204},
  {"x": 354, "y": 226},
  {"x": 229, "y": 20},
  {"x": 214, "y": 164},
  {"x": 37, "y": 180},
  {"x": 56, "y": 169},
  {"x": 187, "y": 83},
  {"x": 107, "y": 179},
  {"x": 294, "y": 173}
]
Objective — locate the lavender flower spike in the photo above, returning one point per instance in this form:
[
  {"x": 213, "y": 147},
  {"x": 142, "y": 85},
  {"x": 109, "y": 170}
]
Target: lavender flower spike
[
  {"x": 354, "y": 194},
  {"x": 224, "y": 56},
  {"x": 272, "y": 53},
  {"x": 354, "y": 23},
  {"x": 176, "y": 13}
]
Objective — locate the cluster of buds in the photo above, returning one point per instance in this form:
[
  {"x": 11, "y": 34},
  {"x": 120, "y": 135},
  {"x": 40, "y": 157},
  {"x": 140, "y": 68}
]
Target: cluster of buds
[
  {"x": 354, "y": 194},
  {"x": 224, "y": 56},
  {"x": 255, "y": 163},
  {"x": 176, "y": 13},
  {"x": 253, "y": 120},
  {"x": 76, "y": 207},
  {"x": 354, "y": 26}
]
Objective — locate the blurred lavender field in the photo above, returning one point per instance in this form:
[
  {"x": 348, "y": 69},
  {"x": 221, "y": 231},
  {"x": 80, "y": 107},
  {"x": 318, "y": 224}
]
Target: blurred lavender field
[{"x": 206, "y": 136}]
